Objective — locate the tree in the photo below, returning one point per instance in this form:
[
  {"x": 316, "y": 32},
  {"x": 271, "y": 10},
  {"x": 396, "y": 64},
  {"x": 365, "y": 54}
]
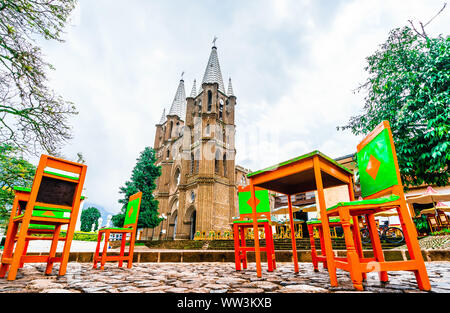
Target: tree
[
  {"x": 143, "y": 179},
  {"x": 409, "y": 85},
  {"x": 89, "y": 217},
  {"x": 14, "y": 171},
  {"x": 32, "y": 117}
]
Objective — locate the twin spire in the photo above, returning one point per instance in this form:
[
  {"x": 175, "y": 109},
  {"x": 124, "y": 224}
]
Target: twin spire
[{"x": 212, "y": 74}]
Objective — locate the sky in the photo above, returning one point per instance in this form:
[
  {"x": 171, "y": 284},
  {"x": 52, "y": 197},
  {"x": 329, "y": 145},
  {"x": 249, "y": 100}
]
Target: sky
[{"x": 294, "y": 65}]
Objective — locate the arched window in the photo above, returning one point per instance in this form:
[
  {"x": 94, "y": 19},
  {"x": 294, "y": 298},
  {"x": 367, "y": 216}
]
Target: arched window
[
  {"x": 192, "y": 163},
  {"x": 224, "y": 164},
  {"x": 197, "y": 161},
  {"x": 217, "y": 163},
  {"x": 177, "y": 177},
  {"x": 220, "y": 108},
  {"x": 168, "y": 153},
  {"x": 209, "y": 100}
]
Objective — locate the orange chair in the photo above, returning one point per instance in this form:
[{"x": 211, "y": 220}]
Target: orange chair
[
  {"x": 245, "y": 221},
  {"x": 53, "y": 202},
  {"x": 21, "y": 197},
  {"x": 381, "y": 189},
  {"x": 129, "y": 228}
]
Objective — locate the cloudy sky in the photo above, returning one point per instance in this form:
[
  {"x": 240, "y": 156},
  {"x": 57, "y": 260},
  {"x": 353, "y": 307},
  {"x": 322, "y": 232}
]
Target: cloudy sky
[{"x": 294, "y": 66}]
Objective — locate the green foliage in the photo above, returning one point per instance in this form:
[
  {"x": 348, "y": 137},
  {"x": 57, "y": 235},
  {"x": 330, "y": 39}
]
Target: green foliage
[
  {"x": 14, "y": 171},
  {"x": 409, "y": 85},
  {"x": 32, "y": 117},
  {"x": 441, "y": 232},
  {"x": 143, "y": 179},
  {"x": 89, "y": 217},
  {"x": 421, "y": 224}
]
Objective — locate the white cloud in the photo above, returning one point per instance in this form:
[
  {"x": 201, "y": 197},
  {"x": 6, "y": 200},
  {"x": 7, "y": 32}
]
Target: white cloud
[{"x": 293, "y": 64}]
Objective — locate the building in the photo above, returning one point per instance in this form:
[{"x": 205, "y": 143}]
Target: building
[{"x": 195, "y": 147}]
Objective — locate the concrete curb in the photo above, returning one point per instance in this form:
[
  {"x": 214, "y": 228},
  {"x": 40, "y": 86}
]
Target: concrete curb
[{"x": 192, "y": 256}]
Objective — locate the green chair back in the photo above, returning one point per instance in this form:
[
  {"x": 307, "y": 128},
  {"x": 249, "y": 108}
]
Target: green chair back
[
  {"x": 261, "y": 195},
  {"x": 132, "y": 213},
  {"x": 377, "y": 169}
]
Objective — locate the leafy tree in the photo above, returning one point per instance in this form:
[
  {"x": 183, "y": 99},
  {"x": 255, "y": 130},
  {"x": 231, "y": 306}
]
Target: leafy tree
[
  {"x": 32, "y": 116},
  {"x": 14, "y": 171},
  {"x": 409, "y": 85},
  {"x": 89, "y": 217},
  {"x": 143, "y": 179}
]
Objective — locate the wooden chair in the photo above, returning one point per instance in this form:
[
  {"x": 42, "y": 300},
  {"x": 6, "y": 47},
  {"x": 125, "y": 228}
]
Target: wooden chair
[
  {"x": 52, "y": 202},
  {"x": 381, "y": 189},
  {"x": 129, "y": 228},
  {"x": 240, "y": 225},
  {"x": 432, "y": 222},
  {"x": 443, "y": 219},
  {"x": 46, "y": 232}
]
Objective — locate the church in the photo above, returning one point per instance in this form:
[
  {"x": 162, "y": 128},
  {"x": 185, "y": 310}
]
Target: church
[{"x": 195, "y": 147}]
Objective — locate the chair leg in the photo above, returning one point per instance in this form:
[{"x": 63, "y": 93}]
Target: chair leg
[
  {"x": 25, "y": 250},
  {"x": 410, "y": 233},
  {"x": 268, "y": 248},
  {"x": 122, "y": 249},
  {"x": 237, "y": 259},
  {"x": 358, "y": 241},
  {"x": 131, "y": 251},
  {"x": 9, "y": 247},
  {"x": 53, "y": 247},
  {"x": 352, "y": 255},
  {"x": 272, "y": 247},
  {"x": 18, "y": 251},
  {"x": 313, "y": 248},
  {"x": 376, "y": 245},
  {"x": 322, "y": 246},
  {"x": 97, "y": 249},
  {"x": 105, "y": 250},
  {"x": 243, "y": 245}
]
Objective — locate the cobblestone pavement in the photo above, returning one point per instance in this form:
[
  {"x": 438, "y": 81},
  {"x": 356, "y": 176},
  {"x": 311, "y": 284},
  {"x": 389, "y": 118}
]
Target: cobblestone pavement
[{"x": 209, "y": 278}]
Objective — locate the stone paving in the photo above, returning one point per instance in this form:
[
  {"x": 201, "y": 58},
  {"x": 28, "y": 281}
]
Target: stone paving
[{"x": 209, "y": 278}]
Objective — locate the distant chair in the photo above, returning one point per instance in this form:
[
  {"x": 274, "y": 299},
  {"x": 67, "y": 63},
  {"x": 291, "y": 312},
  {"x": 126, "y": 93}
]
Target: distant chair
[
  {"x": 245, "y": 221},
  {"x": 443, "y": 219},
  {"x": 432, "y": 222},
  {"x": 52, "y": 202},
  {"x": 129, "y": 228}
]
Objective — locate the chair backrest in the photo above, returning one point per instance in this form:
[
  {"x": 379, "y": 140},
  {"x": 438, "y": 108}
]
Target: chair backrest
[
  {"x": 377, "y": 163},
  {"x": 262, "y": 199},
  {"x": 56, "y": 188},
  {"x": 132, "y": 213}
]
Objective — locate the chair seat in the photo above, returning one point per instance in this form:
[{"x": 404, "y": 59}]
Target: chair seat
[
  {"x": 369, "y": 202},
  {"x": 116, "y": 229},
  {"x": 331, "y": 220},
  {"x": 249, "y": 221}
]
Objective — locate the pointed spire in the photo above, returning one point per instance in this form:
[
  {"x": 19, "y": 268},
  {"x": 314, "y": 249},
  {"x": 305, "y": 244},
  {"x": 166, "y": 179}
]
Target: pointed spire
[
  {"x": 212, "y": 71},
  {"x": 163, "y": 118},
  {"x": 230, "y": 88},
  {"x": 179, "y": 102},
  {"x": 194, "y": 90}
]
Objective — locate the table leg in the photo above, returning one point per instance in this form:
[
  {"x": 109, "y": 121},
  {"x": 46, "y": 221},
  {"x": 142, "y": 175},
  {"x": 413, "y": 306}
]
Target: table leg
[{"x": 294, "y": 244}]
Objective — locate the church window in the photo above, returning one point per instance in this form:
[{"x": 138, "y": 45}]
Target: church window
[
  {"x": 224, "y": 164},
  {"x": 192, "y": 163},
  {"x": 177, "y": 177},
  {"x": 209, "y": 100},
  {"x": 220, "y": 108},
  {"x": 217, "y": 163}
]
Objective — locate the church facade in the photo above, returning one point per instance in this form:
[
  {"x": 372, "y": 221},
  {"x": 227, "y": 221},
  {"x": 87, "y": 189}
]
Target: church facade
[{"x": 195, "y": 147}]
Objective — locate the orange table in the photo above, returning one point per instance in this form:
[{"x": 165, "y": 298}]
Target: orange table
[{"x": 309, "y": 172}]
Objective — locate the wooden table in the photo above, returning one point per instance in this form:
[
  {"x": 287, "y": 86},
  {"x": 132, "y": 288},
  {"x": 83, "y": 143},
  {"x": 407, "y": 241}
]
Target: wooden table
[{"x": 309, "y": 172}]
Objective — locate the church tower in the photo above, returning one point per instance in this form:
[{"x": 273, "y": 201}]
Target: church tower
[{"x": 195, "y": 146}]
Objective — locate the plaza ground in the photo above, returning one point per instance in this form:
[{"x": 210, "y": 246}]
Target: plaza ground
[{"x": 210, "y": 278}]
